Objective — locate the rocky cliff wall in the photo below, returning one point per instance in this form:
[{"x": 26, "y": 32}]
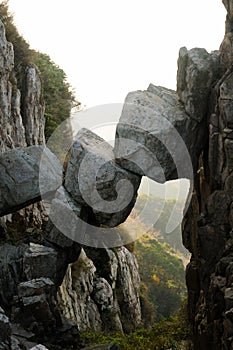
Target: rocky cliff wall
[{"x": 207, "y": 228}]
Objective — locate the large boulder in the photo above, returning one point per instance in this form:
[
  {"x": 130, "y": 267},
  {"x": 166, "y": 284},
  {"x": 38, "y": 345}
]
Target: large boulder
[
  {"x": 94, "y": 180},
  {"x": 153, "y": 135},
  {"x": 26, "y": 174}
]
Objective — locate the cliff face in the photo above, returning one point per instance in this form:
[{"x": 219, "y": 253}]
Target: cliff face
[
  {"x": 207, "y": 228},
  {"x": 22, "y": 112}
]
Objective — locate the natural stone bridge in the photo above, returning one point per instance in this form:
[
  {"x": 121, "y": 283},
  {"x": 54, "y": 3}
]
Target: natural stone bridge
[{"x": 160, "y": 134}]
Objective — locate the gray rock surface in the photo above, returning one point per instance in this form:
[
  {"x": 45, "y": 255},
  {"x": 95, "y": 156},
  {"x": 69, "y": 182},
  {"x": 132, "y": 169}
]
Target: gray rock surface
[
  {"x": 21, "y": 116},
  {"x": 33, "y": 113},
  {"x": 68, "y": 218},
  {"x": 94, "y": 179},
  {"x": 207, "y": 227},
  {"x": 128, "y": 286},
  {"x": 40, "y": 261},
  {"x": 74, "y": 295},
  {"x": 197, "y": 71},
  {"x": 5, "y": 327},
  {"x": 89, "y": 292},
  {"x": 23, "y": 179},
  {"x": 12, "y": 132},
  {"x": 153, "y": 133}
]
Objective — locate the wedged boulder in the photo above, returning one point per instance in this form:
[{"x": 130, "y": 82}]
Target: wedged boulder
[
  {"x": 94, "y": 180},
  {"x": 154, "y": 135},
  {"x": 197, "y": 71},
  {"x": 26, "y": 174}
]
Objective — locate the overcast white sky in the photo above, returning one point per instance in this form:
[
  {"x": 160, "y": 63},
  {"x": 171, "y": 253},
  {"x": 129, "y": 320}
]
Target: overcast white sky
[{"x": 111, "y": 47}]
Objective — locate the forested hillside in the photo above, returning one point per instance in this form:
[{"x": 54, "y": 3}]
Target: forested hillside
[{"x": 161, "y": 258}]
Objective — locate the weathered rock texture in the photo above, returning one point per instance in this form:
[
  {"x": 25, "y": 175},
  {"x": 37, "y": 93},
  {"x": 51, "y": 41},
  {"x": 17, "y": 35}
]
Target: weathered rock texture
[
  {"x": 12, "y": 131},
  {"x": 26, "y": 175},
  {"x": 207, "y": 227},
  {"x": 19, "y": 126},
  {"x": 93, "y": 179},
  {"x": 101, "y": 291},
  {"x": 147, "y": 137}
]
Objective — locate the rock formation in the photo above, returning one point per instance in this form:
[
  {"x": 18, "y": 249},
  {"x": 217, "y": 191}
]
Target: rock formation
[
  {"x": 92, "y": 285},
  {"x": 94, "y": 179},
  {"x": 101, "y": 291}
]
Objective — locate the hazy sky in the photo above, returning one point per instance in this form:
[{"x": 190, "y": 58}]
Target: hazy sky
[{"x": 111, "y": 47}]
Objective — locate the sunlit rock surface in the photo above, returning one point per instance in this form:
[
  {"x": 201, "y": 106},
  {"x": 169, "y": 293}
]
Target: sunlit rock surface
[
  {"x": 101, "y": 291},
  {"x": 154, "y": 135}
]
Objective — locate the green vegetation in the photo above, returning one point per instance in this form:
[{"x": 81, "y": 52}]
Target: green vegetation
[
  {"x": 173, "y": 333},
  {"x": 159, "y": 257},
  {"x": 157, "y": 208},
  {"x": 59, "y": 99},
  {"x": 58, "y": 95},
  {"x": 162, "y": 275}
]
